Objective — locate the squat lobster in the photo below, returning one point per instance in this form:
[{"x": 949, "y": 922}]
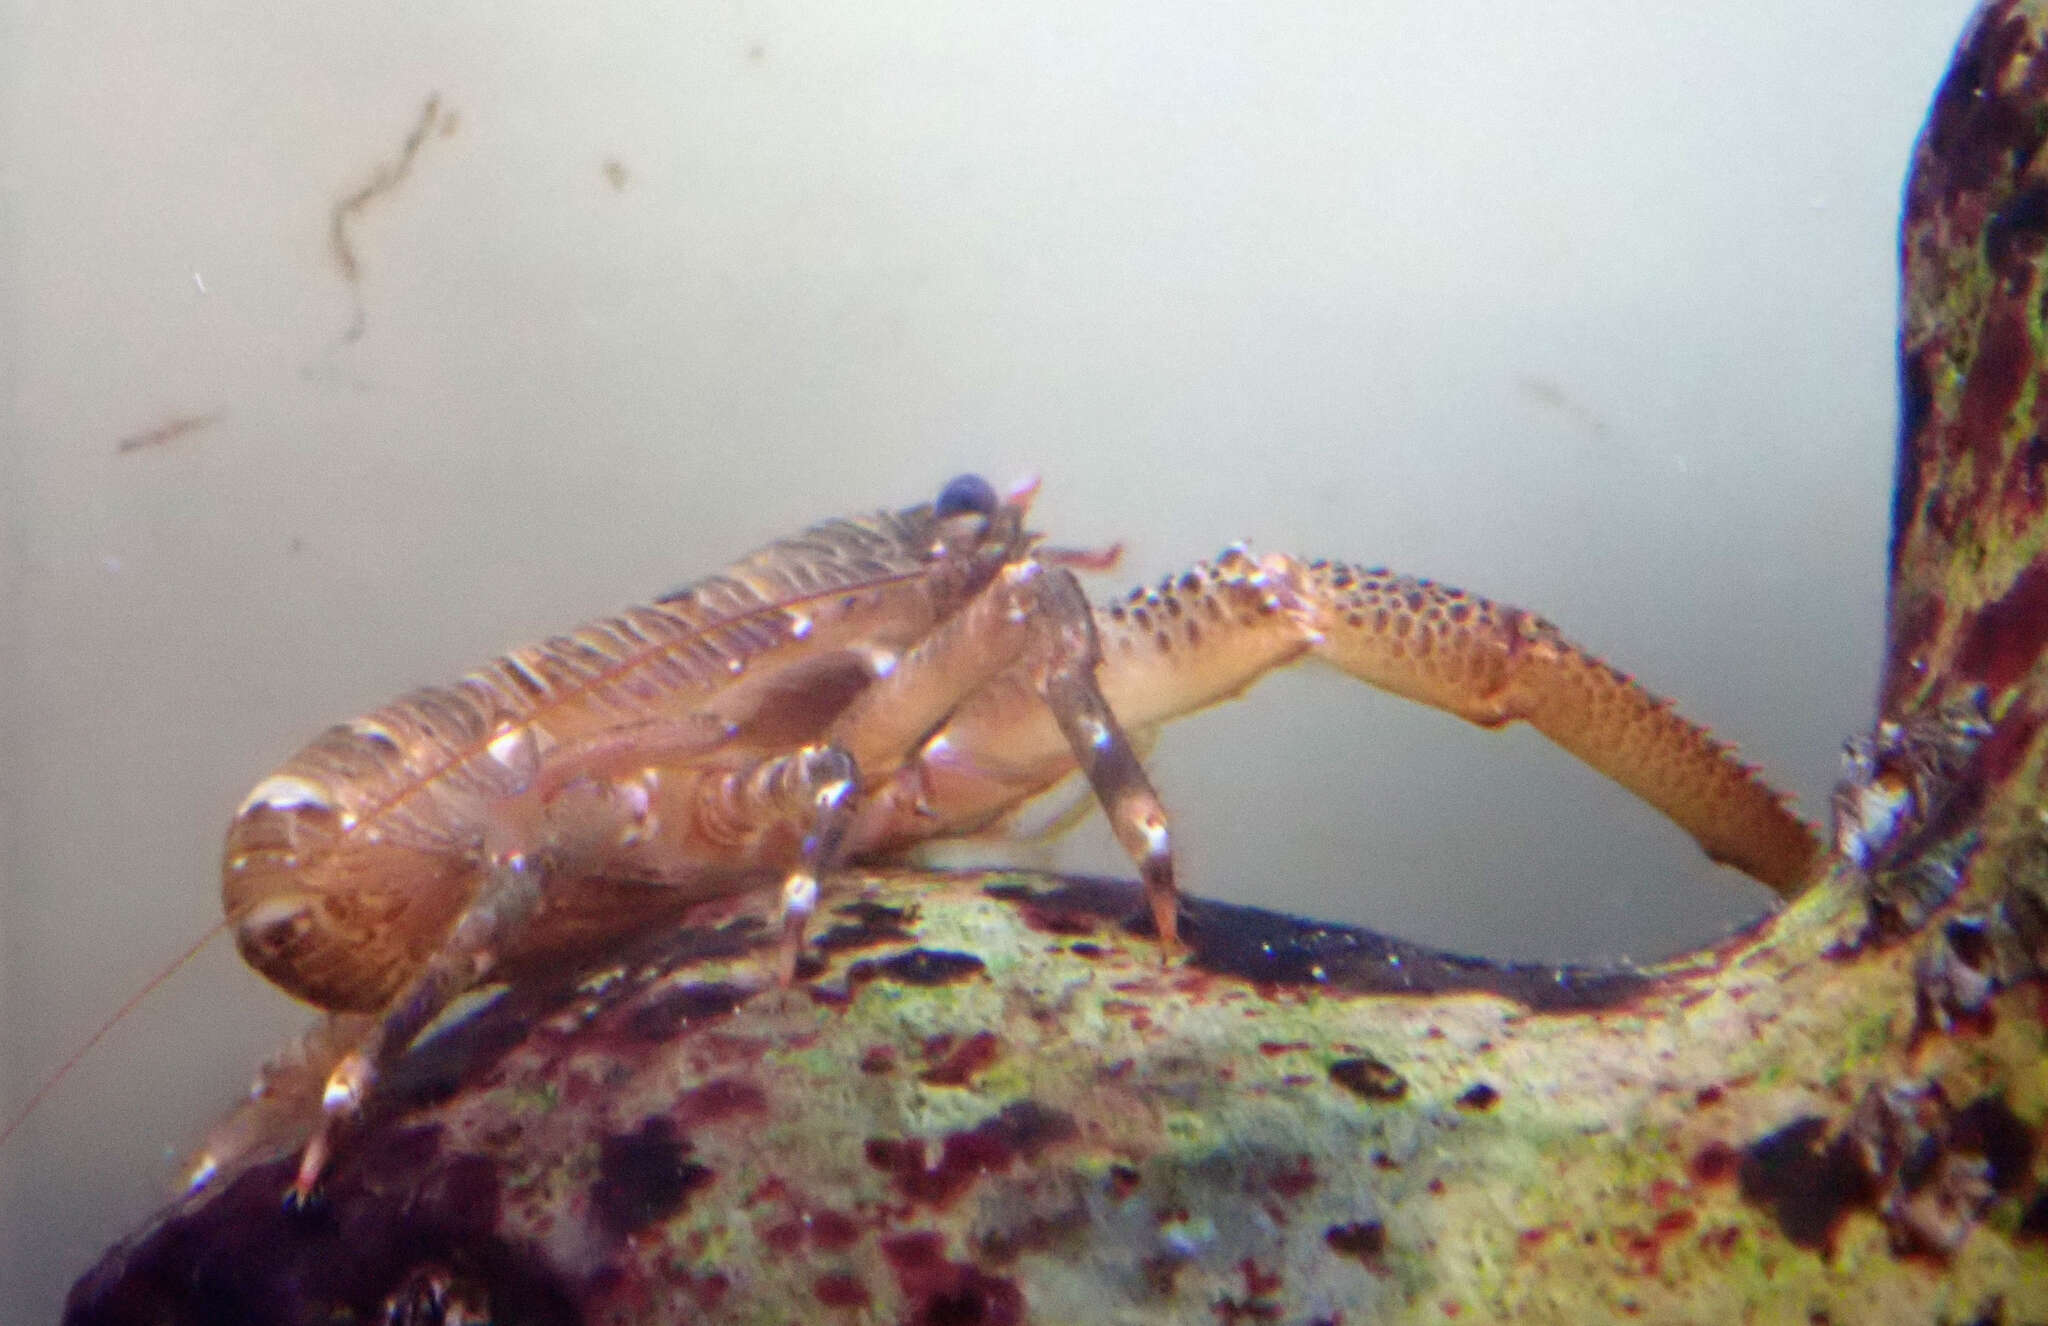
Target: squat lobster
[{"x": 838, "y": 697}]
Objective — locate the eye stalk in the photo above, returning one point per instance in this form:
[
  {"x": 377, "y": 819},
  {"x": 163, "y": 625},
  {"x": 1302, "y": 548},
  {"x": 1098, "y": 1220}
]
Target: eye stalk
[{"x": 970, "y": 494}]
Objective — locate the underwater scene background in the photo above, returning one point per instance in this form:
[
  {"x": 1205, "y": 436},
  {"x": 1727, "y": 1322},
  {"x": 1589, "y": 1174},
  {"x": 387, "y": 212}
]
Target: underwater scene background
[{"x": 343, "y": 352}]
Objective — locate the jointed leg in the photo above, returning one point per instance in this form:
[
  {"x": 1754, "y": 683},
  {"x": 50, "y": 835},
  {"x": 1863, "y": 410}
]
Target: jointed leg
[
  {"x": 1109, "y": 762},
  {"x": 823, "y": 779},
  {"x": 505, "y": 901},
  {"x": 1026, "y": 645},
  {"x": 705, "y": 831}
]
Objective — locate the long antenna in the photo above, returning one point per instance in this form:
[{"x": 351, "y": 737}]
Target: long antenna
[{"x": 64, "y": 1069}]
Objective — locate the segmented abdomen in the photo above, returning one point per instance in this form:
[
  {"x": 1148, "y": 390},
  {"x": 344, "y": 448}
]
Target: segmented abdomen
[{"x": 370, "y": 837}]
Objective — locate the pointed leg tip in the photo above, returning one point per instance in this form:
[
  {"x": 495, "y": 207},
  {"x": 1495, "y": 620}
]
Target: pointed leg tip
[
  {"x": 788, "y": 960},
  {"x": 1166, "y": 929},
  {"x": 303, "y": 1196}
]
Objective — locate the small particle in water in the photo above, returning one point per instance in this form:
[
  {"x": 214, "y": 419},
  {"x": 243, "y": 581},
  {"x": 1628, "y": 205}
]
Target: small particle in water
[
  {"x": 168, "y": 431},
  {"x": 434, "y": 119}
]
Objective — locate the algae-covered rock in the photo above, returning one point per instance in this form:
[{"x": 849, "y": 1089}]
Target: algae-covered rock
[{"x": 987, "y": 1099}]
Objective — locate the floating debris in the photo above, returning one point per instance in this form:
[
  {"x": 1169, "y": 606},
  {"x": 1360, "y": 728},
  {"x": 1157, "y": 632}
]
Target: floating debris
[
  {"x": 433, "y": 119},
  {"x": 168, "y": 431}
]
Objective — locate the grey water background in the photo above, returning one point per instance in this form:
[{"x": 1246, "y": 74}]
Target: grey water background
[{"x": 1584, "y": 306}]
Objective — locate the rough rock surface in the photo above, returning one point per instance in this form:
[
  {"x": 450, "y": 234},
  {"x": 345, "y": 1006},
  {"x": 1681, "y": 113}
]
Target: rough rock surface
[{"x": 988, "y": 1101}]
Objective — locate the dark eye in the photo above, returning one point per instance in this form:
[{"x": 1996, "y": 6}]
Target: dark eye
[{"x": 969, "y": 492}]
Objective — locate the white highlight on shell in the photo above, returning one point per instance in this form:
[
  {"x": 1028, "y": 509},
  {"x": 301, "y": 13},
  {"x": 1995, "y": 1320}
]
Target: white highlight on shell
[
  {"x": 881, "y": 662},
  {"x": 204, "y": 1171},
  {"x": 800, "y": 894},
  {"x": 461, "y": 1009},
  {"x": 370, "y": 729},
  {"x": 831, "y": 794},
  {"x": 636, "y": 797},
  {"x": 799, "y": 625},
  {"x": 288, "y": 912},
  {"x": 513, "y": 747},
  {"x": 285, "y": 792},
  {"x": 344, "y": 1087}
]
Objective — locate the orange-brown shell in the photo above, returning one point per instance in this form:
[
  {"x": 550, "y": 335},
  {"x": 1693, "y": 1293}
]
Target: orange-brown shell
[{"x": 343, "y": 869}]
